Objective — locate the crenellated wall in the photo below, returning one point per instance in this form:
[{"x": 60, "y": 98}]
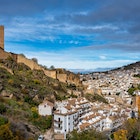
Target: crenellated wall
[{"x": 30, "y": 63}]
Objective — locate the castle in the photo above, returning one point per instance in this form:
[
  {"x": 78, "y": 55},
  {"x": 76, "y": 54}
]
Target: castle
[{"x": 60, "y": 74}]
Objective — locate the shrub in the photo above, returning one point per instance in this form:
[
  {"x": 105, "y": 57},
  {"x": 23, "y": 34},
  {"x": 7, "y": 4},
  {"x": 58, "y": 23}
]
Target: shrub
[
  {"x": 6, "y": 133},
  {"x": 2, "y": 108},
  {"x": 3, "y": 120},
  {"x": 95, "y": 97},
  {"x": 36, "y": 81},
  {"x": 43, "y": 122},
  {"x": 86, "y": 135}
]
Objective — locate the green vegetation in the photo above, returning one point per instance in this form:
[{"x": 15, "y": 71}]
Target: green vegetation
[
  {"x": 137, "y": 75},
  {"x": 118, "y": 93},
  {"x": 20, "y": 95},
  {"x": 42, "y": 122},
  {"x": 3, "y": 120},
  {"x": 95, "y": 97},
  {"x": 29, "y": 83},
  {"x": 12, "y": 131},
  {"x": 129, "y": 131},
  {"x": 132, "y": 89},
  {"x": 2, "y": 108},
  {"x": 86, "y": 135},
  {"x": 72, "y": 86}
]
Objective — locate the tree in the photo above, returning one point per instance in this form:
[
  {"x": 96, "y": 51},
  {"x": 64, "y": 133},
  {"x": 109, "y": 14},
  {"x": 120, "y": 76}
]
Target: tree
[
  {"x": 2, "y": 108},
  {"x": 35, "y": 60},
  {"x": 86, "y": 135},
  {"x": 6, "y": 133},
  {"x": 120, "y": 135},
  {"x": 3, "y": 120},
  {"x": 52, "y": 67}
]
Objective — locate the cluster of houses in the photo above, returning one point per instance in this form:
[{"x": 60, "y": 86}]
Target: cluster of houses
[
  {"x": 80, "y": 114},
  {"x": 111, "y": 83}
]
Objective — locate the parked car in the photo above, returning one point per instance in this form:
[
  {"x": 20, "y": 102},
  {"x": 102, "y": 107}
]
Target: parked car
[{"x": 41, "y": 137}]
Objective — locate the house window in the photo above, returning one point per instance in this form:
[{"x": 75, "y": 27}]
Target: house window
[{"x": 59, "y": 125}]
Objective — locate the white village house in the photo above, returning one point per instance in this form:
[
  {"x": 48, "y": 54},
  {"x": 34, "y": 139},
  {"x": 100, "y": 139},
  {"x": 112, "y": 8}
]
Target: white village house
[{"x": 45, "y": 108}]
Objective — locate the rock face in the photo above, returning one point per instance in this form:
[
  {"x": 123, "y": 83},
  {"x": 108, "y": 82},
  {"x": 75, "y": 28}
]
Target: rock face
[
  {"x": 67, "y": 76},
  {"x": 6, "y": 94}
]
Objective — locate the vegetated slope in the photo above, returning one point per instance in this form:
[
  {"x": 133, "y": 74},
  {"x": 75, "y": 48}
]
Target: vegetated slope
[
  {"x": 129, "y": 66},
  {"x": 20, "y": 93}
]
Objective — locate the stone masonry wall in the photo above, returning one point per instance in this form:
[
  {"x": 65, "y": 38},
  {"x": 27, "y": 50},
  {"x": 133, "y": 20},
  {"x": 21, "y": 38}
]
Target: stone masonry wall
[
  {"x": 2, "y": 37},
  {"x": 50, "y": 73},
  {"x": 5, "y": 55},
  {"x": 33, "y": 65},
  {"x": 62, "y": 77},
  {"x": 30, "y": 63}
]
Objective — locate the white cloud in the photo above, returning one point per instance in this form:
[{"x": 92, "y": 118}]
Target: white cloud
[
  {"x": 60, "y": 60},
  {"x": 102, "y": 57}
]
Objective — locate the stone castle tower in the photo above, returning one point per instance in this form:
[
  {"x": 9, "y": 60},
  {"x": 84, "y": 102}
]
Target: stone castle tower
[{"x": 2, "y": 37}]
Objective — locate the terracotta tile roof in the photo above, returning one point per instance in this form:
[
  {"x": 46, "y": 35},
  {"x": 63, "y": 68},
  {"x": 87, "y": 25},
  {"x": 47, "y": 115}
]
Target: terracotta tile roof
[
  {"x": 48, "y": 103},
  {"x": 90, "y": 117},
  {"x": 84, "y": 125},
  {"x": 68, "y": 107}
]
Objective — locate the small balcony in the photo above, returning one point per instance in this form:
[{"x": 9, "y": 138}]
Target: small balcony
[
  {"x": 58, "y": 128},
  {"x": 57, "y": 121},
  {"x": 75, "y": 119}
]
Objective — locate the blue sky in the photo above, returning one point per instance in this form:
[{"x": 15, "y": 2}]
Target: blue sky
[{"x": 73, "y": 34}]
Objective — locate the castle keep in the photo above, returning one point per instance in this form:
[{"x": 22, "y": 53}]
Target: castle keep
[{"x": 2, "y": 37}]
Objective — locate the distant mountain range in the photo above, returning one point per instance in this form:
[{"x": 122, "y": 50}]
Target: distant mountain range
[{"x": 86, "y": 71}]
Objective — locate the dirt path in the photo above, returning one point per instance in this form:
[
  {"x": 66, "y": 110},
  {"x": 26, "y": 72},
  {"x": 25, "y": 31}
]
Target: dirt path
[{"x": 49, "y": 135}]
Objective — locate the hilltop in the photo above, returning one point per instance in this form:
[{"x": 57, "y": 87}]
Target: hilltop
[{"x": 131, "y": 66}]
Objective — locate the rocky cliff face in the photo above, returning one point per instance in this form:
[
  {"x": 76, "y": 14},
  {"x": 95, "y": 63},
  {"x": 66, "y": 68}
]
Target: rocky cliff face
[{"x": 67, "y": 76}]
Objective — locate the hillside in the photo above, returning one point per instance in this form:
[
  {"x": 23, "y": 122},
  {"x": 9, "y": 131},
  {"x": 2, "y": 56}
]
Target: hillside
[
  {"x": 129, "y": 66},
  {"x": 21, "y": 91}
]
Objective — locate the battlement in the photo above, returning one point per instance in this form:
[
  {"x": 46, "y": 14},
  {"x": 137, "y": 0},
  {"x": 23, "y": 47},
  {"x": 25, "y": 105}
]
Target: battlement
[{"x": 2, "y": 37}]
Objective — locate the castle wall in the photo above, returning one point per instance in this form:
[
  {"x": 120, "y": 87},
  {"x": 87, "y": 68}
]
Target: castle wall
[
  {"x": 138, "y": 102},
  {"x": 50, "y": 73},
  {"x": 30, "y": 63},
  {"x": 62, "y": 77},
  {"x": 2, "y": 37},
  {"x": 5, "y": 55},
  {"x": 33, "y": 65}
]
